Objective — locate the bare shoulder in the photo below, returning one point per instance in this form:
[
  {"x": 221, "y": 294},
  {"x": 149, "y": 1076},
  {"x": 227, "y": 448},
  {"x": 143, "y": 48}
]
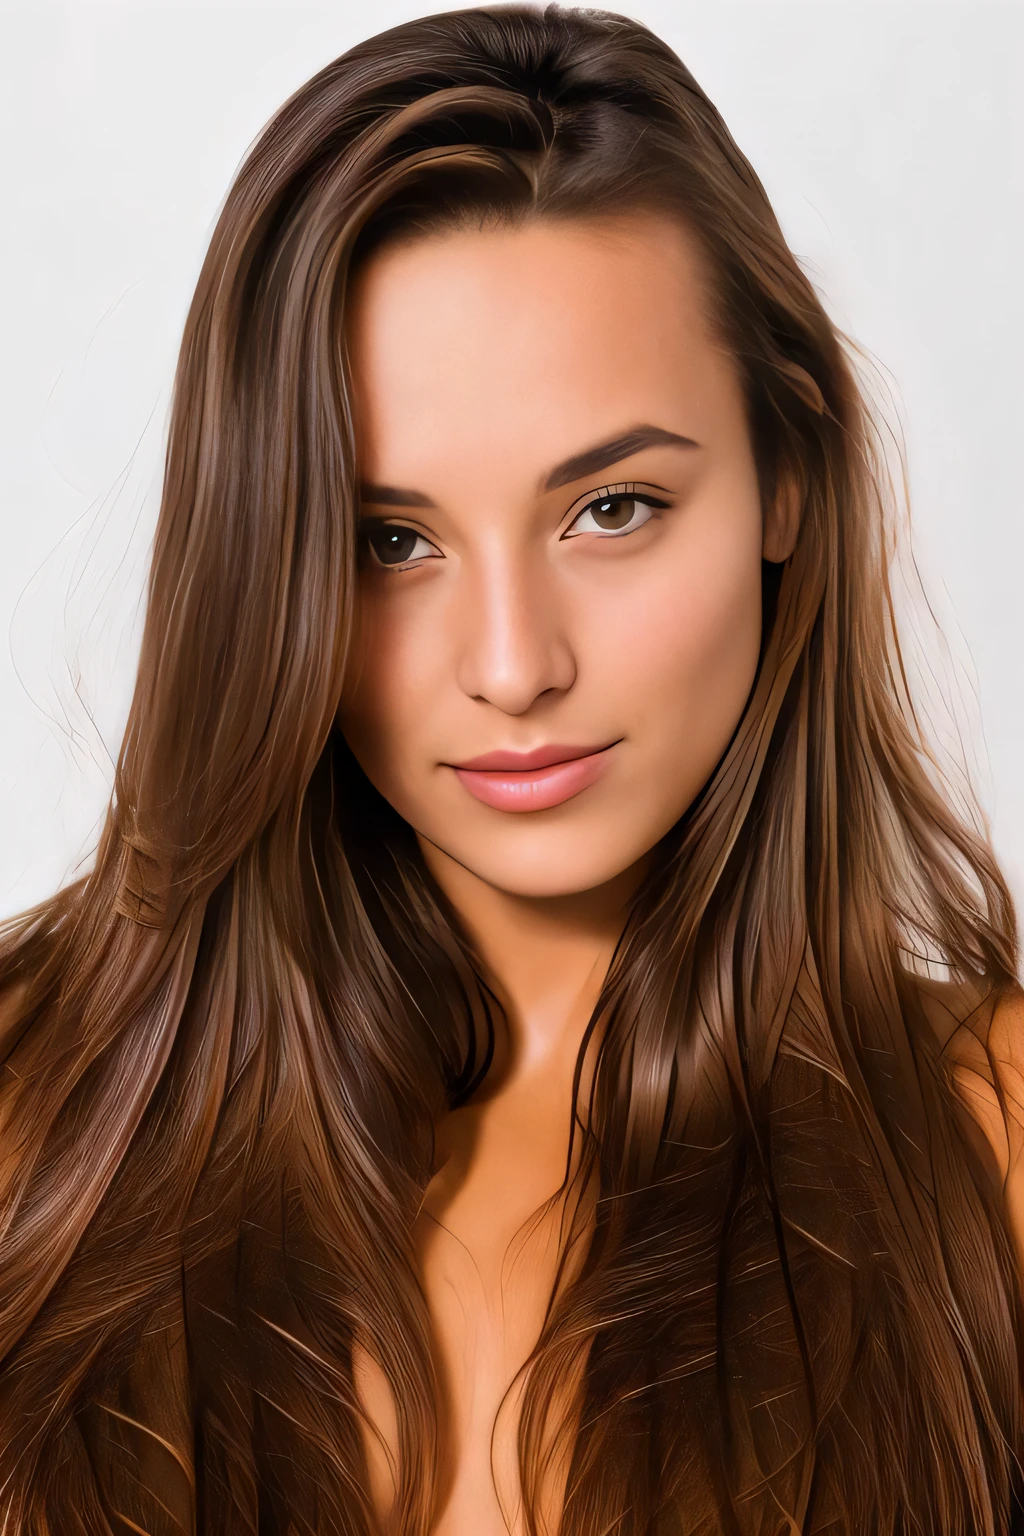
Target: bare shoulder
[
  {"x": 988, "y": 1071},
  {"x": 13, "y": 997},
  {"x": 1006, "y": 1036}
]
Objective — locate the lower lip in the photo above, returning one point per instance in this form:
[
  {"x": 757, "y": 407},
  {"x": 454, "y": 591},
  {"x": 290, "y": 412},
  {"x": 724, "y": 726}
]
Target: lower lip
[{"x": 535, "y": 789}]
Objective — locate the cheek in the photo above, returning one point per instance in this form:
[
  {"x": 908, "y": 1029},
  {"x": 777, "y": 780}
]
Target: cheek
[
  {"x": 684, "y": 652},
  {"x": 388, "y": 680}
]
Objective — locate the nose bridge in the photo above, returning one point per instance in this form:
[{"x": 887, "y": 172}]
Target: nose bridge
[{"x": 514, "y": 645}]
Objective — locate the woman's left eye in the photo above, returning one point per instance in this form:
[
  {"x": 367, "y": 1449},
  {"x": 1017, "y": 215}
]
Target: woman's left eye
[{"x": 616, "y": 513}]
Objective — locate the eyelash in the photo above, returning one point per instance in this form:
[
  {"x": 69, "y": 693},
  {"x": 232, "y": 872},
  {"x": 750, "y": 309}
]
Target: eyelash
[{"x": 610, "y": 493}]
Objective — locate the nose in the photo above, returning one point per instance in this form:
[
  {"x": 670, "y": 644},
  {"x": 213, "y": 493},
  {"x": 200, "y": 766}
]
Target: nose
[{"x": 513, "y": 642}]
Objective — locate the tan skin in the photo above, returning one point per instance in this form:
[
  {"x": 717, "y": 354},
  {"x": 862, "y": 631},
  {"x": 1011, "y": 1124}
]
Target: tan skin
[{"x": 531, "y": 607}]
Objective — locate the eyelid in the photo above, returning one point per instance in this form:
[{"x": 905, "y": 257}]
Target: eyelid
[{"x": 365, "y": 520}]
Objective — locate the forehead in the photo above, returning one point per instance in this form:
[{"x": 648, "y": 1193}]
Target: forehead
[{"x": 512, "y": 346}]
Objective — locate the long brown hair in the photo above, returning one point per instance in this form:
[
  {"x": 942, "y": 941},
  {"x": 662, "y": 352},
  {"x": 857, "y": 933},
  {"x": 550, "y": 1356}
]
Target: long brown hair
[{"x": 226, "y": 1049}]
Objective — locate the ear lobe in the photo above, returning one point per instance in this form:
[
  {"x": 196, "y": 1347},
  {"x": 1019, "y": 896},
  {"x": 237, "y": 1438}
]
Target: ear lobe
[{"x": 782, "y": 519}]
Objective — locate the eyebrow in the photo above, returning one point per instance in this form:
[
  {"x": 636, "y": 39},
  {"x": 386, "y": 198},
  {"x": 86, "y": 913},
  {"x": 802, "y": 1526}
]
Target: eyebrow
[{"x": 588, "y": 462}]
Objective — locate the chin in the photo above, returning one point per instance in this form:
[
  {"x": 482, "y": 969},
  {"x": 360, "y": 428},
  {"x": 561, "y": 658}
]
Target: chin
[{"x": 543, "y": 866}]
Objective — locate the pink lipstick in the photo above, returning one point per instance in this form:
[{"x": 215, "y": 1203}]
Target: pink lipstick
[{"x": 532, "y": 781}]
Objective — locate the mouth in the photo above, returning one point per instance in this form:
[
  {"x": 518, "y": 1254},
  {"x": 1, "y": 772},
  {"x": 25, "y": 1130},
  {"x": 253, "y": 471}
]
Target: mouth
[{"x": 532, "y": 781}]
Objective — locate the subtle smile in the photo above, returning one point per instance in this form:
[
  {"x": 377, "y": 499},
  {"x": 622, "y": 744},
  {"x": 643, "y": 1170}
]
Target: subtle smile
[{"x": 532, "y": 781}]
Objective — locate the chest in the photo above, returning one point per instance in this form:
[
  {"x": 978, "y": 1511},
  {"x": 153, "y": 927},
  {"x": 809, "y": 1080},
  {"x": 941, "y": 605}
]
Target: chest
[{"x": 489, "y": 1239}]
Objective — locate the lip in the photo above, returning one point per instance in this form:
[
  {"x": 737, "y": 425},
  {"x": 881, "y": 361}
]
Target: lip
[
  {"x": 522, "y": 762},
  {"x": 532, "y": 781}
]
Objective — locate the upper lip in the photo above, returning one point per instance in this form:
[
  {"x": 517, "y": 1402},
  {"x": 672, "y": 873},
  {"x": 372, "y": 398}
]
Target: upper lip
[{"x": 539, "y": 757}]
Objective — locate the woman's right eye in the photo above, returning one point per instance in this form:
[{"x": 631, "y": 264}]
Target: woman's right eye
[{"x": 391, "y": 544}]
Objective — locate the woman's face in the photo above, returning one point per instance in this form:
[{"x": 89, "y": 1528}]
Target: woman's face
[{"x": 559, "y": 600}]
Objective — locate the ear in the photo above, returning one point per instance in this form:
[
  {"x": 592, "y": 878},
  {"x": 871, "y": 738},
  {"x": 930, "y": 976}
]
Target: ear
[{"x": 782, "y": 517}]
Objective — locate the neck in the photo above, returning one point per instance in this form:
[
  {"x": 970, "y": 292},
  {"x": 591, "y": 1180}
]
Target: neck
[{"x": 545, "y": 957}]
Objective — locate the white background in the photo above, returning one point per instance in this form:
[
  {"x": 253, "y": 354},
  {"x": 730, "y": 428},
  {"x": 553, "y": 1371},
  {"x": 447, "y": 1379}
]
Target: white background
[{"x": 887, "y": 132}]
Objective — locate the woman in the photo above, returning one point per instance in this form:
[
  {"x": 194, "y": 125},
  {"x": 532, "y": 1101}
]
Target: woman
[{"x": 537, "y": 1049}]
